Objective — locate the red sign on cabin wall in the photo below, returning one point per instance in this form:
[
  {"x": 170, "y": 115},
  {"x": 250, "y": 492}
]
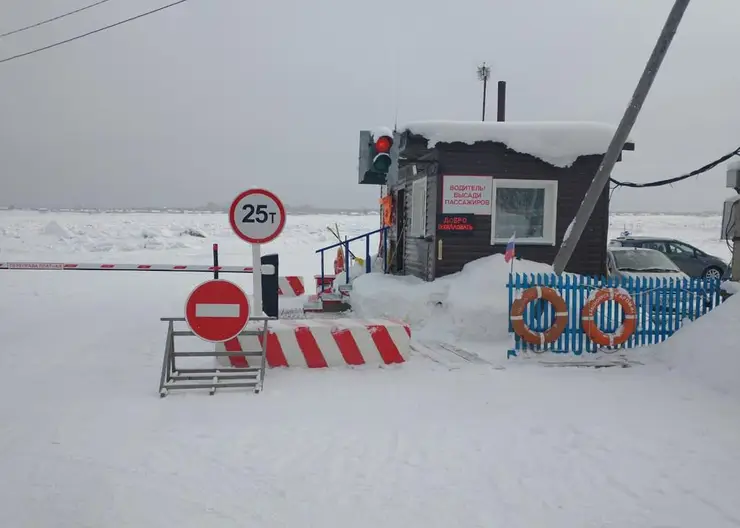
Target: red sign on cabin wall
[{"x": 460, "y": 224}]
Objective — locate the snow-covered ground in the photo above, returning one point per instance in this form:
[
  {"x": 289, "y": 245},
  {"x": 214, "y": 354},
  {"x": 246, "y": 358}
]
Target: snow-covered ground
[{"x": 85, "y": 441}]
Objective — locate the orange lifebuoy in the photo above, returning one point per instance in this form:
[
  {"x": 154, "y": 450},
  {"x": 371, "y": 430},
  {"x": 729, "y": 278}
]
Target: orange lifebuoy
[
  {"x": 517, "y": 315},
  {"x": 339, "y": 262},
  {"x": 628, "y": 326}
]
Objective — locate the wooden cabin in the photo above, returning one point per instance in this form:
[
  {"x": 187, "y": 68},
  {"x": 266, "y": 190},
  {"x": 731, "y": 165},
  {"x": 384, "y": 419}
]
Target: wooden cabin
[{"x": 462, "y": 189}]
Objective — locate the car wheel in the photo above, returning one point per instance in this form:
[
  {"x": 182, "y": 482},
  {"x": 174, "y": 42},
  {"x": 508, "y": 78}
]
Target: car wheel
[{"x": 712, "y": 273}]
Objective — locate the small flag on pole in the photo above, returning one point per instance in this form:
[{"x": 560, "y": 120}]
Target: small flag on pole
[{"x": 510, "y": 249}]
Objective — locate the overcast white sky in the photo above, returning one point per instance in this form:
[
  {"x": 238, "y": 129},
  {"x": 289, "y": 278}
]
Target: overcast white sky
[{"x": 200, "y": 101}]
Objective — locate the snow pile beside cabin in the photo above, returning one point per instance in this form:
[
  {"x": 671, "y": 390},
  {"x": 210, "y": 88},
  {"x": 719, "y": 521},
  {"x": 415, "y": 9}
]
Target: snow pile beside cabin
[
  {"x": 472, "y": 304},
  {"x": 557, "y": 143}
]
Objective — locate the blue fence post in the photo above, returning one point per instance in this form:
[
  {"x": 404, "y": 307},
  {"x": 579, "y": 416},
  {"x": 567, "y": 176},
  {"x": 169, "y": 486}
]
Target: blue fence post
[
  {"x": 346, "y": 257},
  {"x": 368, "y": 263},
  {"x": 512, "y": 351},
  {"x": 510, "y": 287},
  {"x": 322, "y": 274}
]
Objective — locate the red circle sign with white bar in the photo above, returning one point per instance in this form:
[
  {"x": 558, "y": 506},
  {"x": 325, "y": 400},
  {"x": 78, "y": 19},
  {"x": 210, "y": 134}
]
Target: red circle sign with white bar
[
  {"x": 257, "y": 216},
  {"x": 217, "y": 310}
]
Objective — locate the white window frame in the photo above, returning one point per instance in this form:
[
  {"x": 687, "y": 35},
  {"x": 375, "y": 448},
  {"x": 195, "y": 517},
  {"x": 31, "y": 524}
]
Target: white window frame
[
  {"x": 550, "y": 212},
  {"x": 418, "y": 223}
]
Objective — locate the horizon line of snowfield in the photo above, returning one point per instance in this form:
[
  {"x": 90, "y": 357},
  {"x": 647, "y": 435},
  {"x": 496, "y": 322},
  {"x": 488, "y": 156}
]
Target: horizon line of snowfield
[{"x": 305, "y": 212}]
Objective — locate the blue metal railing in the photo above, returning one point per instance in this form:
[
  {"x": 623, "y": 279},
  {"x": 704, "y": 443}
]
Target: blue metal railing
[{"x": 368, "y": 262}]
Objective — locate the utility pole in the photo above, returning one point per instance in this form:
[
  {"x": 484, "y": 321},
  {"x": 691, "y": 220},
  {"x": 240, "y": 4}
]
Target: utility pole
[
  {"x": 484, "y": 72},
  {"x": 735, "y": 241},
  {"x": 731, "y": 218},
  {"x": 620, "y": 137}
]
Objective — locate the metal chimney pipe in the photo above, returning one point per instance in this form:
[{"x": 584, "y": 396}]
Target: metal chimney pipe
[{"x": 501, "y": 112}]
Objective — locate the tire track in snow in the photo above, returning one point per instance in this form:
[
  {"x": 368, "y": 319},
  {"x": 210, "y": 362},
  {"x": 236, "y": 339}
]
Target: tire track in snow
[{"x": 447, "y": 355}]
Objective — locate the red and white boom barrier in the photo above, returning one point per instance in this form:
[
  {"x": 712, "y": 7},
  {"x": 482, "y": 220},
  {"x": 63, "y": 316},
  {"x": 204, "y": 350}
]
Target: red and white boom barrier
[
  {"x": 289, "y": 286},
  {"x": 267, "y": 269}
]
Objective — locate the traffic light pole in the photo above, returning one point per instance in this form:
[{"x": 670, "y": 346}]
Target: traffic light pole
[{"x": 573, "y": 235}]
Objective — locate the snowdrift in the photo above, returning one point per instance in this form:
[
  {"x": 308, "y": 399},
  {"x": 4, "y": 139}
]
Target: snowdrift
[
  {"x": 54, "y": 229},
  {"x": 707, "y": 349},
  {"x": 471, "y": 304},
  {"x": 731, "y": 287}
]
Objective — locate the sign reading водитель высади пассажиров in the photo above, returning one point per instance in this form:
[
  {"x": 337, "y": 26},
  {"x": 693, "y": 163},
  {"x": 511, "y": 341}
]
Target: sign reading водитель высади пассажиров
[{"x": 466, "y": 194}]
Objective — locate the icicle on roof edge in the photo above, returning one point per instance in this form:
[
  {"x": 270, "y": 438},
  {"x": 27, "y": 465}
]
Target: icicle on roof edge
[{"x": 557, "y": 143}]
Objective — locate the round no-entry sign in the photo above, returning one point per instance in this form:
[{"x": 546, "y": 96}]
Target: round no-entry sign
[
  {"x": 217, "y": 310},
  {"x": 257, "y": 216}
]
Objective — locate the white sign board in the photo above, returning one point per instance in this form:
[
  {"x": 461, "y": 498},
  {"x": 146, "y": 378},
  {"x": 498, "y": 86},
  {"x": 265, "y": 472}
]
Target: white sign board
[
  {"x": 466, "y": 194},
  {"x": 257, "y": 216}
]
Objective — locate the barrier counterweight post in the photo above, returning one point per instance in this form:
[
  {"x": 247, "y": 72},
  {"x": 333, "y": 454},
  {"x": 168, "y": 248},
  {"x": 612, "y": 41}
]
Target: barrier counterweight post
[
  {"x": 257, "y": 278},
  {"x": 215, "y": 261},
  {"x": 270, "y": 286}
]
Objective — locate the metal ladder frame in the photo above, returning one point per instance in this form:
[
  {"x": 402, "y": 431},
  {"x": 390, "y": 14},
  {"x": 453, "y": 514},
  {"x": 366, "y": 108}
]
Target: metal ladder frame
[{"x": 219, "y": 377}]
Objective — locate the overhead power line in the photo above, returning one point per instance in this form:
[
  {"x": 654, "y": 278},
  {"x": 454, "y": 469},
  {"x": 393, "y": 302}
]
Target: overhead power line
[
  {"x": 78, "y": 37},
  {"x": 37, "y": 24},
  {"x": 669, "y": 181}
]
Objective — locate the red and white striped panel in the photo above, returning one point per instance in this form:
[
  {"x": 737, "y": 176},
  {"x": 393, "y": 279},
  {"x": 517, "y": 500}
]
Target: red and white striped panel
[
  {"x": 291, "y": 286},
  {"x": 320, "y": 343}
]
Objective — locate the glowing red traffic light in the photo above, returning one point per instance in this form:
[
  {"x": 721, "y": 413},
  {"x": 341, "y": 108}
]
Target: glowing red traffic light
[{"x": 383, "y": 144}]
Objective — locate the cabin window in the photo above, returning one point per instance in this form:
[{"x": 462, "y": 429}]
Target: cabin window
[
  {"x": 418, "y": 208},
  {"x": 526, "y": 209}
]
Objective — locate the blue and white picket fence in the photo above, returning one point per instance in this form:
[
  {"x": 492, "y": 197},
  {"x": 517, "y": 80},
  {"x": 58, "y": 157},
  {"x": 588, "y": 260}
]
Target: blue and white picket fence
[{"x": 663, "y": 305}]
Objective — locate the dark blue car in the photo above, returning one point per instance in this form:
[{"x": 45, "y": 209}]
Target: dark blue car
[{"x": 691, "y": 260}]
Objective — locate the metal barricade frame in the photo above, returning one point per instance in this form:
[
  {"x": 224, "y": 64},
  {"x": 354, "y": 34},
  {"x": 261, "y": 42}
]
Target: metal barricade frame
[{"x": 172, "y": 378}]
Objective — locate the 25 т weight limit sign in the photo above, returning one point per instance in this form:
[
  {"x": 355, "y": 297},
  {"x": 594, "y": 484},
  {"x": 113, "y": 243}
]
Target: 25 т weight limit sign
[{"x": 257, "y": 216}]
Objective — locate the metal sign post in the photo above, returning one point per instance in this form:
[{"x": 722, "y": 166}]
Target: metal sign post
[{"x": 257, "y": 278}]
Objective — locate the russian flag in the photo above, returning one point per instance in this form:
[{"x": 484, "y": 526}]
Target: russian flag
[{"x": 510, "y": 249}]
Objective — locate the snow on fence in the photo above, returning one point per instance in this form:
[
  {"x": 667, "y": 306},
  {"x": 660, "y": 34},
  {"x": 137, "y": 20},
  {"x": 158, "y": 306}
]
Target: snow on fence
[{"x": 663, "y": 306}]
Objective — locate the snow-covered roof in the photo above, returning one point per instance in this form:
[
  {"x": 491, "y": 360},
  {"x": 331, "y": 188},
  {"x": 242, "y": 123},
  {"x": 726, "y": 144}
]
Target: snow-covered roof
[{"x": 557, "y": 143}]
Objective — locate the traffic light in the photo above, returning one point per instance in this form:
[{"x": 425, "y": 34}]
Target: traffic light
[
  {"x": 382, "y": 150},
  {"x": 377, "y": 157}
]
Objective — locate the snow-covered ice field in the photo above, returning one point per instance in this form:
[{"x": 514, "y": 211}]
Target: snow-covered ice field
[{"x": 85, "y": 440}]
